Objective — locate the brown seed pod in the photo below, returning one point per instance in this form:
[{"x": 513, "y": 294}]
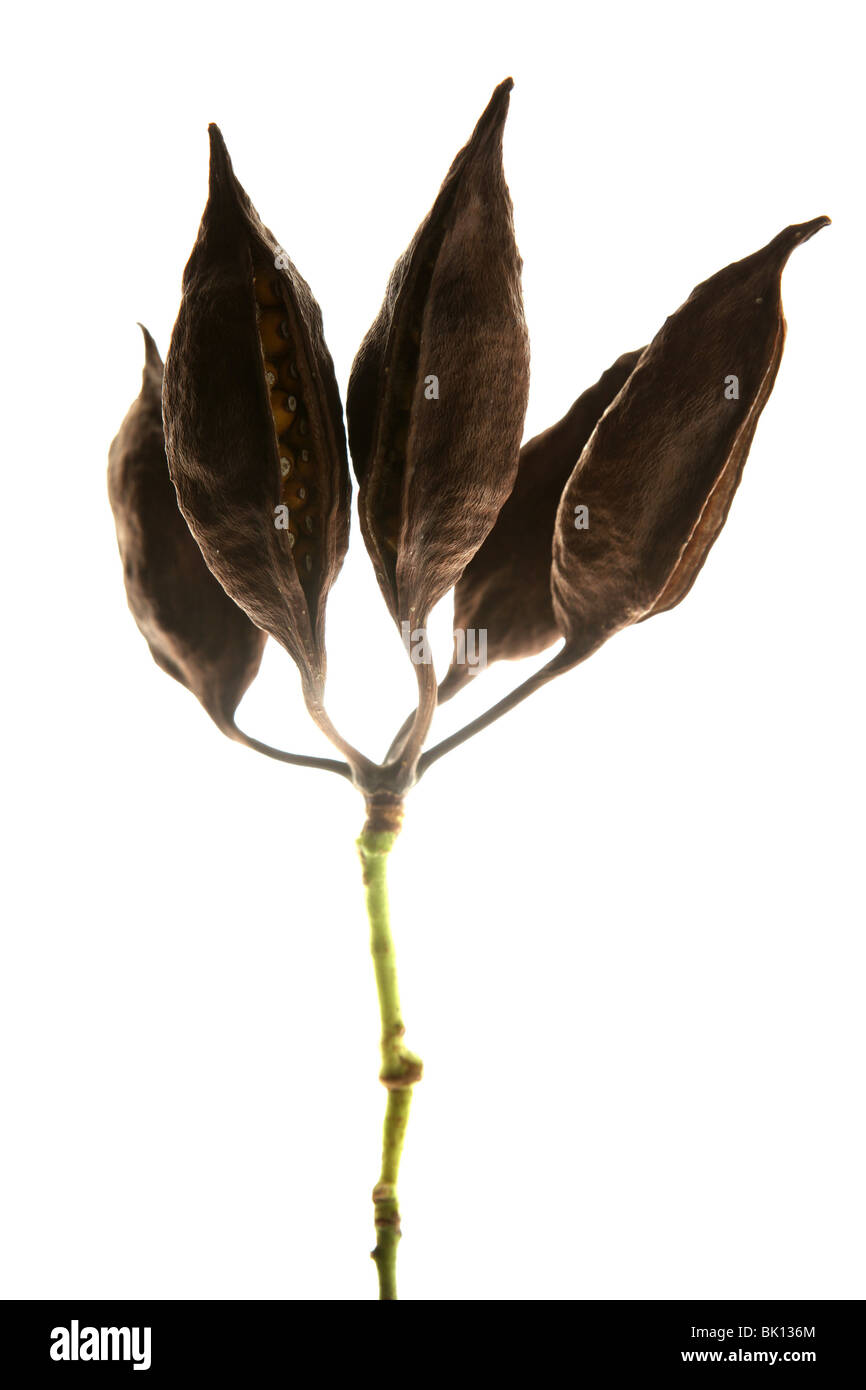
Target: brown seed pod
[
  {"x": 505, "y": 589},
  {"x": 254, "y": 425},
  {"x": 438, "y": 390},
  {"x": 660, "y": 470},
  {"x": 194, "y": 630}
]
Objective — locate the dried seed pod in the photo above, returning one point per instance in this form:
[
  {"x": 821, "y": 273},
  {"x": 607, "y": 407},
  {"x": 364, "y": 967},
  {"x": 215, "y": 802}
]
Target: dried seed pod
[
  {"x": 194, "y": 630},
  {"x": 438, "y": 390},
  {"x": 250, "y": 386},
  {"x": 505, "y": 589},
  {"x": 658, "y": 474}
]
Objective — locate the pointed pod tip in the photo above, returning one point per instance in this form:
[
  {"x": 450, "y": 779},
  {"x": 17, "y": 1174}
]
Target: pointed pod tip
[
  {"x": 497, "y": 106},
  {"x": 804, "y": 230},
  {"x": 794, "y": 236},
  {"x": 487, "y": 135},
  {"x": 152, "y": 359},
  {"x": 493, "y": 116},
  {"x": 220, "y": 163}
]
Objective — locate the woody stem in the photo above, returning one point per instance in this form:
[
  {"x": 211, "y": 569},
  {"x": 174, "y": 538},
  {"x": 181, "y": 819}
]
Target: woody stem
[{"x": 400, "y": 1067}]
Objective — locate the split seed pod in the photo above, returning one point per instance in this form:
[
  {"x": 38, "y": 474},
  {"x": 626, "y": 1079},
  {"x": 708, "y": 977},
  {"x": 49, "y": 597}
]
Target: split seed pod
[
  {"x": 505, "y": 588},
  {"x": 660, "y": 470},
  {"x": 438, "y": 390},
  {"x": 254, "y": 425},
  {"x": 194, "y": 630}
]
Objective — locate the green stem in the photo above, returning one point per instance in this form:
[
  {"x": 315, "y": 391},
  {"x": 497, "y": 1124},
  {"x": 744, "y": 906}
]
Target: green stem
[{"x": 400, "y": 1067}]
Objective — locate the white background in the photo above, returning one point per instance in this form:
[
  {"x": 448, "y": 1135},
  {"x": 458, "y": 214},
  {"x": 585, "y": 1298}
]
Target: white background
[{"x": 629, "y": 917}]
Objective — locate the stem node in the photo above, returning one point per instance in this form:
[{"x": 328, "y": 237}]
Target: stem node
[{"x": 384, "y": 817}]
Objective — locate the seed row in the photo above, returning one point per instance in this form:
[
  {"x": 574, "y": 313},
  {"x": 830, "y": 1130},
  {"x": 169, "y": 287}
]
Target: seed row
[{"x": 291, "y": 422}]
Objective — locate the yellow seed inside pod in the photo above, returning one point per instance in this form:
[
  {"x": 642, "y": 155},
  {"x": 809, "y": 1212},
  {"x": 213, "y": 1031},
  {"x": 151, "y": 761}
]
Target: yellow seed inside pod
[
  {"x": 295, "y": 495},
  {"x": 283, "y": 414},
  {"x": 304, "y": 465},
  {"x": 274, "y": 331},
  {"x": 266, "y": 288},
  {"x": 297, "y": 466},
  {"x": 289, "y": 378},
  {"x": 296, "y": 437}
]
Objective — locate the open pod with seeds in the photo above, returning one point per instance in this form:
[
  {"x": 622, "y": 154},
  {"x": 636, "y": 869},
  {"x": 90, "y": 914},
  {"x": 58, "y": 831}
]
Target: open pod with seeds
[
  {"x": 230, "y": 487},
  {"x": 254, "y": 427}
]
